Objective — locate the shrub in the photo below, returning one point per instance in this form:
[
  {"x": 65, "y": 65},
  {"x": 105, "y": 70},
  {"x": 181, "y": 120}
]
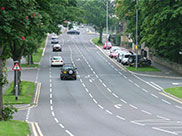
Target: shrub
[{"x": 8, "y": 111}]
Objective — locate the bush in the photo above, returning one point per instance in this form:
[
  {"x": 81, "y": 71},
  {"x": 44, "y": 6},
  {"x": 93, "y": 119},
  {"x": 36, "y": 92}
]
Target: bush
[{"x": 8, "y": 112}]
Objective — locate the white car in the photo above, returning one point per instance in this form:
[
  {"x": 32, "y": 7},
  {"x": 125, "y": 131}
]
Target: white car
[
  {"x": 124, "y": 57},
  {"x": 54, "y": 37},
  {"x": 57, "y": 61}
]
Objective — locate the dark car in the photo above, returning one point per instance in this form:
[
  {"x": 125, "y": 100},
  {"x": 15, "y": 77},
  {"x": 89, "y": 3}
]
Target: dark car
[
  {"x": 73, "y": 32},
  {"x": 55, "y": 41},
  {"x": 142, "y": 61},
  {"x": 68, "y": 71},
  {"x": 56, "y": 47}
]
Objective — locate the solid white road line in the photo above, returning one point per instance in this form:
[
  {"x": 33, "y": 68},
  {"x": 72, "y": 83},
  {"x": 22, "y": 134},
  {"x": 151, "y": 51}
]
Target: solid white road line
[
  {"x": 166, "y": 101},
  {"x": 109, "y": 112},
  {"x": 140, "y": 124},
  {"x": 61, "y": 125},
  {"x": 133, "y": 106},
  {"x": 154, "y": 96},
  {"x": 179, "y": 107},
  {"x": 123, "y": 101},
  {"x": 145, "y": 90},
  {"x": 119, "y": 117},
  {"x": 170, "y": 132},
  {"x": 161, "y": 117},
  {"x": 157, "y": 85},
  {"x": 53, "y": 114},
  {"x": 100, "y": 106},
  {"x": 146, "y": 112}
]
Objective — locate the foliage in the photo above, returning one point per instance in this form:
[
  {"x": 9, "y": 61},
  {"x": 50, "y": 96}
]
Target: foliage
[
  {"x": 159, "y": 25},
  {"x": 8, "y": 111},
  {"x": 96, "y": 41},
  {"x": 95, "y": 14}
]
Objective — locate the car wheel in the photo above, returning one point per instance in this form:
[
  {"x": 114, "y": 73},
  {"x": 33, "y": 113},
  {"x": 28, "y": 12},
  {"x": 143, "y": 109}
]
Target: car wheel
[
  {"x": 62, "y": 78},
  {"x": 75, "y": 78}
]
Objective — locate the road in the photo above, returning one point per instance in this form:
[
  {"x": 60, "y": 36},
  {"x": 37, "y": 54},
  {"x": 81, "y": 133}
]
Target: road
[{"x": 105, "y": 100}]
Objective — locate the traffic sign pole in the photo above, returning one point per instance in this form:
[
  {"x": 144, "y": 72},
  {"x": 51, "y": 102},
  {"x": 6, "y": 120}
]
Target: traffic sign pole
[
  {"x": 16, "y": 68},
  {"x": 16, "y": 86}
]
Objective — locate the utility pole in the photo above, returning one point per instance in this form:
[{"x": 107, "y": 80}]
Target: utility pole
[
  {"x": 136, "y": 34},
  {"x": 107, "y": 20}
]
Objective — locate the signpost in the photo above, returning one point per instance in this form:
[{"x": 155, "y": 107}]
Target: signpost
[{"x": 16, "y": 68}]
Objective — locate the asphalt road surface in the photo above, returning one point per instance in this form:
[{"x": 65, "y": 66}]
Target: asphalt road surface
[{"x": 105, "y": 100}]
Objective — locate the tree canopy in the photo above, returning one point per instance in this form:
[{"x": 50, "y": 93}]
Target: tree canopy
[{"x": 159, "y": 25}]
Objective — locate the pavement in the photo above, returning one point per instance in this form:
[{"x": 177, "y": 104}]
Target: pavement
[{"x": 165, "y": 72}]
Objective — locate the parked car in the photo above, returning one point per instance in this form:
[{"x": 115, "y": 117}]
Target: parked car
[
  {"x": 68, "y": 71},
  {"x": 107, "y": 45},
  {"x": 114, "y": 48},
  {"x": 57, "y": 61},
  {"x": 56, "y": 47},
  {"x": 124, "y": 58},
  {"x": 73, "y": 32},
  {"x": 116, "y": 52},
  {"x": 142, "y": 61}
]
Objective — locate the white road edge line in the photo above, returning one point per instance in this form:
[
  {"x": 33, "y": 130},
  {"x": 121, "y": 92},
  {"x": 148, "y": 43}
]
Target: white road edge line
[{"x": 170, "y": 132}]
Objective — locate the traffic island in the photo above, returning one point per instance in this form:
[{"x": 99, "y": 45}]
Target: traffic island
[
  {"x": 25, "y": 97},
  {"x": 175, "y": 91},
  {"x": 14, "y": 128}
]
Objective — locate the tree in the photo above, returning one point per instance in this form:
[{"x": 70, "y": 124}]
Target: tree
[
  {"x": 159, "y": 25},
  {"x": 162, "y": 27},
  {"x": 22, "y": 25},
  {"x": 95, "y": 14}
]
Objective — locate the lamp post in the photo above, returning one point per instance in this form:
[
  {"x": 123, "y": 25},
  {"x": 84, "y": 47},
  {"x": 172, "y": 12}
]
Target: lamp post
[
  {"x": 107, "y": 20},
  {"x": 136, "y": 47}
]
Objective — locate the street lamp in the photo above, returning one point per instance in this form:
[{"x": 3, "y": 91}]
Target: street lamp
[
  {"x": 107, "y": 17},
  {"x": 136, "y": 34}
]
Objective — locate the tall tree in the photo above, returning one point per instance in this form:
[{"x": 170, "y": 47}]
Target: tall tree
[
  {"x": 95, "y": 14},
  {"x": 159, "y": 25}
]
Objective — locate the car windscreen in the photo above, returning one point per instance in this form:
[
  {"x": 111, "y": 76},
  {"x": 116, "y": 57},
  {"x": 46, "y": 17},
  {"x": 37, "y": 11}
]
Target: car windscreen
[
  {"x": 127, "y": 56},
  {"x": 68, "y": 67},
  {"x": 56, "y": 58}
]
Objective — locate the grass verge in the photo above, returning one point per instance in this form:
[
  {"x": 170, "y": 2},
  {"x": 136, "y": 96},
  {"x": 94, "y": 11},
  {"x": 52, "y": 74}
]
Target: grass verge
[
  {"x": 25, "y": 97},
  {"x": 27, "y": 65},
  {"x": 38, "y": 55},
  {"x": 95, "y": 40},
  {"x": 14, "y": 128},
  {"x": 176, "y": 91},
  {"x": 144, "y": 69}
]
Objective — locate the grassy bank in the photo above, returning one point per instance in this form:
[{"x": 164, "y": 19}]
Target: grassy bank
[
  {"x": 14, "y": 128},
  {"x": 144, "y": 69},
  {"x": 176, "y": 91},
  {"x": 95, "y": 40},
  {"x": 27, "y": 65},
  {"x": 25, "y": 97}
]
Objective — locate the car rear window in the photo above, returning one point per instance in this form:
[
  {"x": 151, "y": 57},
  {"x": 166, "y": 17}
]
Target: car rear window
[{"x": 56, "y": 58}]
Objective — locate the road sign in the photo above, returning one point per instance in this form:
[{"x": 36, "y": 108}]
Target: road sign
[{"x": 16, "y": 67}]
